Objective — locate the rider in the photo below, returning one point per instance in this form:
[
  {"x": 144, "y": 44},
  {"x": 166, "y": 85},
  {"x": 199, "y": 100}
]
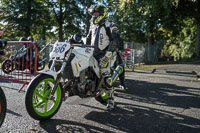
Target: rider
[
  {"x": 3, "y": 44},
  {"x": 104, "y": 36}
]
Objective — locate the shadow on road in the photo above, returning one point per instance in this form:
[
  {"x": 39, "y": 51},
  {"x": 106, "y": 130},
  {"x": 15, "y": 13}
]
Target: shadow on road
[
  {"x": 167, "y": 72},
  {"x": 145, "y": 119},
  {"x": 163, "y": 94},
  {"x": 57, "y": 126},
  {"x": 166, "y": 115},
  {"x": 8, "y": 86},
  {"x": 141, "y": 119},
  {"x": 129, "y": 117},
  {"x": 13, "y": 113}
]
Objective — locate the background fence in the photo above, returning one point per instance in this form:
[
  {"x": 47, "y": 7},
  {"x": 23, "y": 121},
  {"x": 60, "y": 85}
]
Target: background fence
[
  {"x": 19, "y": 62},
  {"x": 143, "y": 53}
]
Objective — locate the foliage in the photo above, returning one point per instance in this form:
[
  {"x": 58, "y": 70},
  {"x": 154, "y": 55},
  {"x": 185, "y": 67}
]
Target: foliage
[
  {"x": 180, "y": 46},
  {"x": 41, "y": 18},
  {"x": 174, "y": 22}
]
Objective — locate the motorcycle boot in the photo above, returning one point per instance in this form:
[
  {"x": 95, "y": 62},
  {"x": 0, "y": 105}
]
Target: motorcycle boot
[
  {"x": 122, "y": 81},
  {"x": 108, "y": 94},
  {"x": 110, "y": 101}
]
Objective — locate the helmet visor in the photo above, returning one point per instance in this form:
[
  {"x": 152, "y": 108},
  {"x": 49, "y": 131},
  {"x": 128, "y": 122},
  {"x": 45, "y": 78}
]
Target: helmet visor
[{"x": 91, "y": 11}]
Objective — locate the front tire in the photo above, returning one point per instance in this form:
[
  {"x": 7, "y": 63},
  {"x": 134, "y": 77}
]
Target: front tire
[{"x": 37, "y": 103}]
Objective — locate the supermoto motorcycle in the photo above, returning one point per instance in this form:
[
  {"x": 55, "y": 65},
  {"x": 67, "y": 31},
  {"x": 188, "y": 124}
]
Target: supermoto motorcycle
[
  {"x": 22, "y": 60},
  {"x": 74, "y": 72}
]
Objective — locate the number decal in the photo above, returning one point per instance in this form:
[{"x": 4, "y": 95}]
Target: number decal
[{"x": 60, "y": 48}]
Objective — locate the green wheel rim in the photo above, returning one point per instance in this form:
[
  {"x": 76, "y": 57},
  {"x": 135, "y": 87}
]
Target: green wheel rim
[{"x": 41, "y": 105}]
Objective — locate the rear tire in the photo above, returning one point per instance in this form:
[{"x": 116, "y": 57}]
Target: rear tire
[
  {"x": 38, "y": 106},
  {"x": 3, "y": 106},
  {"x": 7, "y": 66},
  {"x": 100, "y": 100}
]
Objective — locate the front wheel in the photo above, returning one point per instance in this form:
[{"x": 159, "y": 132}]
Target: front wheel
[
  {"x": 37, "y": 102},
  {"x": 3, "y": 106}
]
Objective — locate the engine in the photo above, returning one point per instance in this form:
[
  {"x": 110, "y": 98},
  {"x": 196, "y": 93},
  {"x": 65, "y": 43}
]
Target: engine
[{"x": 87, "y": 83}]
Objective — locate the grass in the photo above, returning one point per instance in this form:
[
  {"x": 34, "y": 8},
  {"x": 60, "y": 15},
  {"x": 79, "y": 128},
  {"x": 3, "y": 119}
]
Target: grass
[
  {"x": 147, "y": 67},
  {"x": 143, "y": 67}
]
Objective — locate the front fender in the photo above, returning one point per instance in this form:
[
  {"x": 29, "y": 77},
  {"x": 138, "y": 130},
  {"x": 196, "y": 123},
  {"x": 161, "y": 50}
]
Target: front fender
[{"x": 48, "y": 72}]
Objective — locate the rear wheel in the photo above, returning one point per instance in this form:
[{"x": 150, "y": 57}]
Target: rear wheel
[
  {"x": 3, "y": 106},
  {"x": 100, "y": 100},
  {"x": 7, "y": 66},
  {"x": 37, "y": 102}
]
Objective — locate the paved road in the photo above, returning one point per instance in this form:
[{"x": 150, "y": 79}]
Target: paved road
[{"x": 166, "y": 101}]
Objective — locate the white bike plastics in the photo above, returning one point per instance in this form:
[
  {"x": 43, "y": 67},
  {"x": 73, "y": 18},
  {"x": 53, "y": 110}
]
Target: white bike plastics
[{"x": 82, "y": 60}]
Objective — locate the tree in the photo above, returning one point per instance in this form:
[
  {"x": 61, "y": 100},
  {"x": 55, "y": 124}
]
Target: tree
[
  {"x": 41, "y": 18},
  {"x": 141, "y": 20},
  {"x": 191, "y": 9},
  {"x": 180, "y": 45},
  {"x": 19, "y": 17},
  {"x": 67, "y": 16}
]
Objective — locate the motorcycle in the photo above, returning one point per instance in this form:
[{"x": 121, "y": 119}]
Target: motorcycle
[
  {"x": 3, "y": 106},
  {"x": 22, "y": 60},
  {"x": 74, "y": 76}
]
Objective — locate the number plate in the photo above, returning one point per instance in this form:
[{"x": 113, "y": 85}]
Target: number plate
[{"x": 59, "y": 49}]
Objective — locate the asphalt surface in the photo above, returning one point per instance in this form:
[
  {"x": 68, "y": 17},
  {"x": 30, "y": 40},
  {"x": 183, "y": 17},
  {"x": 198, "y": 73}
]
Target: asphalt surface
[{"x": 166, "y": 101}]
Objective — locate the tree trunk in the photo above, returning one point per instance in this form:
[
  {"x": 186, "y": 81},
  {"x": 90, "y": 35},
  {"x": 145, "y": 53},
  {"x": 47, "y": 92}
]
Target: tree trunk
[
  {"x": 88, "y": 17},
  {"x": 150, "y": 50},
  {"x": 60, "y": 23},
  {"x": 150, "y": 44},
  {"x": 197, "y": 44},
  {"x": 28, "y": 19},
  {"x": 43, "y": 33}
]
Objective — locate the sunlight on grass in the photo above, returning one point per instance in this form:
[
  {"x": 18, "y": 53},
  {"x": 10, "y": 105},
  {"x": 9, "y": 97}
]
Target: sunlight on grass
[
  {"x": 144, "y": 67},
  {"x": 147, "y": 67}
]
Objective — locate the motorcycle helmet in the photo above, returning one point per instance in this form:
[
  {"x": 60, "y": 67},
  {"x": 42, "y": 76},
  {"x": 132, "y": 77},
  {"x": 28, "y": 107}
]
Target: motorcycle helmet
[
  {"x": 23, "y": 39},
  {"x": 103, "y": 13},
  {"x": 30, "y": 38},
  {"x": 77, "y": 37}
]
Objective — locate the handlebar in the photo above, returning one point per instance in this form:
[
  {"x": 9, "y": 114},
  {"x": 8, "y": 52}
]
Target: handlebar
[
  {"x": 88, "y": 46},
  {"x": 83, "y": 46}
]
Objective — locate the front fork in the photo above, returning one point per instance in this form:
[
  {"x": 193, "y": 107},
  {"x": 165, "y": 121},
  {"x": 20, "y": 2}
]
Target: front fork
[{"x": 58, "y": 78}]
